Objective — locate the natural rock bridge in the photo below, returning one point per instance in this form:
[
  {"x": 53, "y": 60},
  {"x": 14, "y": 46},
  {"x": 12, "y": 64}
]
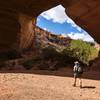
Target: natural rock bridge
[{"x": 17, "y": 19}]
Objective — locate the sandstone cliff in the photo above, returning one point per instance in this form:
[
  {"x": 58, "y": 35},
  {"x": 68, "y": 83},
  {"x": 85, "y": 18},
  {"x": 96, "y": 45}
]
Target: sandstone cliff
[{"x": 43, "y": 39}]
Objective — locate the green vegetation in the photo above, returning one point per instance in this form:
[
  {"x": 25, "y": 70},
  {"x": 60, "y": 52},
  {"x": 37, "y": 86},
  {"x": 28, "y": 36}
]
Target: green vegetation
[
  {"x": 76, "y": 50},
  {"x": 81, "y": 51},
  {"x": 28, "y": 64},
  {"x": 50, "y": 53},
  {"x": 9, "y": 55}
]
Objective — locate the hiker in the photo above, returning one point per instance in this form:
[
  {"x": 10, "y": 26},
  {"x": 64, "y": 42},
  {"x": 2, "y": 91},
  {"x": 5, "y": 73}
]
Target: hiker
[{"x": 78, "y": 71}]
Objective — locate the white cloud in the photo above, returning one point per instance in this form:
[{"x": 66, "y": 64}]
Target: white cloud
[
  {"x": 84, "y": 36},
  {"x": 58, "y": 15},
  {"x": 45, "y": 29},
  {"x": 77, "y": 27},
  {"x": 38, "y": 19},
  {"x": 64, "y": 35}
]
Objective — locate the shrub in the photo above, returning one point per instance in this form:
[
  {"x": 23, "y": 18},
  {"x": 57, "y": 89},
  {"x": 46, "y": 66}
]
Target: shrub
[
  {"x": 30, "y": 63},
  {"x": 81, "y": 51},
  {"x": 50, "y": 53}
]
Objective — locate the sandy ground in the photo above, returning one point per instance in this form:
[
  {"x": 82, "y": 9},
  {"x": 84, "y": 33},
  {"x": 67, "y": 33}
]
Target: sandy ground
[{"x": 32, "y": 86}]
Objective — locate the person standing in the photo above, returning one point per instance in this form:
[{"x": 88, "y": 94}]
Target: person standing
[{"x": 78, "y": 71}]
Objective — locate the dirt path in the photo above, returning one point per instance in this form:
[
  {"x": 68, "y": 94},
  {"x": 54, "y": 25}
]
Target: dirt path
[{"x": 21, "y": 86}]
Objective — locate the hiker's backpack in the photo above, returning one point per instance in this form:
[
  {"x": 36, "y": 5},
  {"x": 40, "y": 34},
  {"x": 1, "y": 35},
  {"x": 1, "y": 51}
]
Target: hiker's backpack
[{"x": 78, "y": 69}]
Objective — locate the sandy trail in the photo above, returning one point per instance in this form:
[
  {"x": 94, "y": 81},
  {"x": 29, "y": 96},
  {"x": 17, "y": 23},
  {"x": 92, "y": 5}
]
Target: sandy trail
[{"x": 24, "y": 86}]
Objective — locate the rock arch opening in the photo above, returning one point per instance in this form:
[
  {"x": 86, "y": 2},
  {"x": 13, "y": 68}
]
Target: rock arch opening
[
  {"x": 15, "y": 15},
  {"x": 56, "y": 21}
]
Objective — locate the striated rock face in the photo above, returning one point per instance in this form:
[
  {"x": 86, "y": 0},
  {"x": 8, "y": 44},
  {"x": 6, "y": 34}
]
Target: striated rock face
[
  {"x": 26, "y": 34},
  {"x": 16, "y": 19},
  {"x": 44, "y": 39},
  {"x": 16, "y": 30}
]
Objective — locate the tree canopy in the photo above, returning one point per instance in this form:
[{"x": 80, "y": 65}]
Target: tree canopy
[{"x": 81, "y": 51}]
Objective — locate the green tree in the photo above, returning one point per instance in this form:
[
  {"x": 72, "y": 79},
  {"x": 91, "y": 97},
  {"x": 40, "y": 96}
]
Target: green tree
[
  {"x": 50, "y": 53},
  {"x": 81, "y": 51}
]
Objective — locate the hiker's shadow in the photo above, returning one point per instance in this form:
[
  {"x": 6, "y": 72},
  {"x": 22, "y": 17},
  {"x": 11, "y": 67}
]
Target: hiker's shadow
[{"x": 88, "y": 87}]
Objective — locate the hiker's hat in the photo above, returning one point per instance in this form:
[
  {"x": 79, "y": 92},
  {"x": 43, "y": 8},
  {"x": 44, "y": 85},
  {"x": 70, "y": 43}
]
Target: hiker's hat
[{"x": 76, "y": 62}]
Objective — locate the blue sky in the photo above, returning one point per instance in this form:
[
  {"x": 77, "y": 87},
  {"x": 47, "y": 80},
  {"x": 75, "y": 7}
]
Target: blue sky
[
  {"x": 56, "y": 28},
  {"x": 56, "y": 21}
]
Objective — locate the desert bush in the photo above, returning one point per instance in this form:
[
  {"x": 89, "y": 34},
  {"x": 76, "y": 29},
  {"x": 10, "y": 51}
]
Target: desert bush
[
  {"x": 81, "y": 51},
  {"x": 28, "y": 64},
  {"x": 50, "y": 53}
]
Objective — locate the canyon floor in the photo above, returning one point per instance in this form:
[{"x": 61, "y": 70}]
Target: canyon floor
[{"x": 48, "y": 85}]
